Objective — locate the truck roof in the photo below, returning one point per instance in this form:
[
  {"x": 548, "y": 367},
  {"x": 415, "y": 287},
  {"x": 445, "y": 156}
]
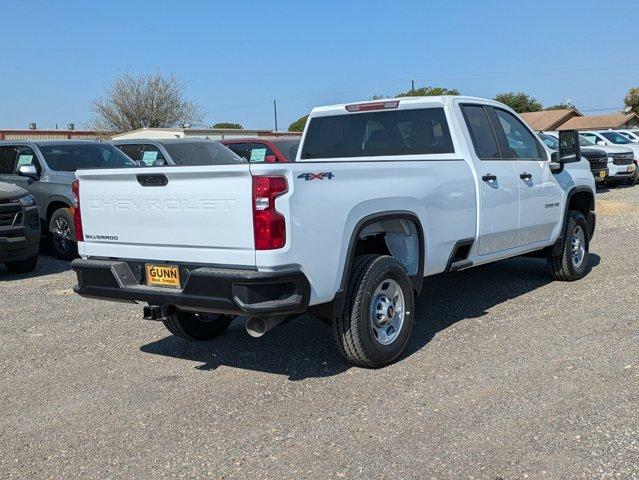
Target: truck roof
[{"x": 403, "y": 102}]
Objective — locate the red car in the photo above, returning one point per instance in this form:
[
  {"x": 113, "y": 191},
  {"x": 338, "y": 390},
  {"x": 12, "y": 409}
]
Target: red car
[{"x": 270, "y": 150}]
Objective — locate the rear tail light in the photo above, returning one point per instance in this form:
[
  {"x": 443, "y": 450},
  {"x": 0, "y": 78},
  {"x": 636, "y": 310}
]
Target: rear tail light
[
  {"x": 77, "y": 215},
  {"x": 269, "y": 226}
]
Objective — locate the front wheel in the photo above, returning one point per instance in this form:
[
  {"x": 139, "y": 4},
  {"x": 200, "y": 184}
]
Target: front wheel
[
  {"x": 197, "y": 327},
  {"x": 63, "y": 234},
  {"x": 573, "y": 260},
  {"x": 375, "y": 325}
]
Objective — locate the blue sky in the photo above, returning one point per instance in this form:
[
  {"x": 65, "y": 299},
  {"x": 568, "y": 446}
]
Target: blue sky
[{"x": 236, "y": 57}]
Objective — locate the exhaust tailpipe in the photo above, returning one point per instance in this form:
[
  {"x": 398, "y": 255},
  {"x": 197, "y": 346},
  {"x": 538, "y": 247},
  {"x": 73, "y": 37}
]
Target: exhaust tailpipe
[{"x": 258, "y": 326}]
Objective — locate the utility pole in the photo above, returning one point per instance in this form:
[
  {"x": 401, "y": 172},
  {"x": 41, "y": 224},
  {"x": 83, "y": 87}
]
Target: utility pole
[
  {"x": 412, "y": 85},
  {"x": 275, "y": 113}
]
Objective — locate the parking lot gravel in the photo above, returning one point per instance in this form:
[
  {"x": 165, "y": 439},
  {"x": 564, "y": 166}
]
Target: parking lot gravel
[{"x": 508, "y": 375}]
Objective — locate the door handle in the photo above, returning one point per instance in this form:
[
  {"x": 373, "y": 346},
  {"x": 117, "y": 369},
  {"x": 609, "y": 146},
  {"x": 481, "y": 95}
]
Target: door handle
[
  {"x": 489, "y": 178},
  {"x": 525, "y": 176}
]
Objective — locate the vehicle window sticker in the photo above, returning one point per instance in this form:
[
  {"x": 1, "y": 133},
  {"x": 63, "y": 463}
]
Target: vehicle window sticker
[
  {"x": 150, "y": 156},
  {"x": 258, "y": 154},
  {"x": 24, "y": 159}
]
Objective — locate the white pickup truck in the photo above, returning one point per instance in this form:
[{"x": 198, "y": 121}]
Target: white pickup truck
[{"x": 381, "y": 195}]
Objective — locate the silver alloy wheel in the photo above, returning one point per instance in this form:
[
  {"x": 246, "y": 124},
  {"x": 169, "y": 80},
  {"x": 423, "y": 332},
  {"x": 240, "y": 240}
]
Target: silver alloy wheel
[
  {"x": 387, "y": 311},
  {"x": 578, "y": 246},
  {"x": 62, "y": 234}
]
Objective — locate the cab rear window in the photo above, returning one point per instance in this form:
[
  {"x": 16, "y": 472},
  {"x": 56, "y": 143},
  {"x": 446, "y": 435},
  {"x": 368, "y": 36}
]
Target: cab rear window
[{"x": 382, "y": 133}]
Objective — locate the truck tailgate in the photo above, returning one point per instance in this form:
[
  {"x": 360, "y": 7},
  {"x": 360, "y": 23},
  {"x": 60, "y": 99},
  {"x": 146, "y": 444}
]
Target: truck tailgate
[{"x": 180, "y": 214}]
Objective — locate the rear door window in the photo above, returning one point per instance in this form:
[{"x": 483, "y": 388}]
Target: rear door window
[
  {"x": 481, "y": 132},
  {"x": 380, "y": 133}
]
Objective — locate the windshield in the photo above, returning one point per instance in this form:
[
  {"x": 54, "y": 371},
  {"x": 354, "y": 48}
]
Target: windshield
[
  {"x": 288, "y": 148},
  {"x": 201, "y": 153},
  {"x": 72, "y": 157},
  {"x": 615, "y": 137},
  {"x": 584, "y": 142},
  {"x": 550, "y": 141}
]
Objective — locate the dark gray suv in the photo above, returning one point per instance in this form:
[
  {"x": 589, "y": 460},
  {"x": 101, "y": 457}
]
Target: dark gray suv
[
  {"x": 46, "y": 170},
  {"x": 19, "y": 229}
]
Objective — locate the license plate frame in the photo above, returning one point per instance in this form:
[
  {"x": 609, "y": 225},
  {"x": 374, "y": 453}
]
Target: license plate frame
[{"x": 161, "y": 275}]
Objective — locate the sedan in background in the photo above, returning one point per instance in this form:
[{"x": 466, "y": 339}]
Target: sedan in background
[
  {"x": 263, "y": 149},
  {"x": 177, "y": 151}
]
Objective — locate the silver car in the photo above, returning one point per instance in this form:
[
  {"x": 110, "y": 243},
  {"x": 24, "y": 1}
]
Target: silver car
[{"x": 46, "y": 170}]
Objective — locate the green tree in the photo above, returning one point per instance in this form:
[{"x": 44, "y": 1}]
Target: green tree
[
  {"x": 298, "y": 125},
  {"x": 429, "y": 91},
  {"x": 561, "y": 106},
  {"x": 228, "y": 125},
  {"x": 519, "y": 102},
  {"x": 632, "y": 100}
]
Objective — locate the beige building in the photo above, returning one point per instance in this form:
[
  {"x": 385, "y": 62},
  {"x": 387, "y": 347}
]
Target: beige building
[
  {"x": 211, "y": 133},
  {"x": 35, "y": 134},
  {"x": 573, "y": 119}
]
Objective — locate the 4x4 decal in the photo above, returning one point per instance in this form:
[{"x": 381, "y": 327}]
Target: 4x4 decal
[{"x": 316, "y": 176}]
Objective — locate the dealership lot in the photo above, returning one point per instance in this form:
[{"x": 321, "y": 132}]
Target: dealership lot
[{"x": 507, "y": 374}]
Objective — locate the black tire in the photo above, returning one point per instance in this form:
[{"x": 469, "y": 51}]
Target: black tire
[
  {"x": 563, "y": 266},
  {"x": 23, "y": 266},
  {"x": 354, "y": 332},
  {"x": 197, "y": 327},
  {"x": 62, "y": 231},
  {"x": 635, "y": 176}
]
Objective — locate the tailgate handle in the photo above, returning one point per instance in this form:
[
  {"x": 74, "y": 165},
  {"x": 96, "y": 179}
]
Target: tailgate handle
[{"x": 154, "y": 180}]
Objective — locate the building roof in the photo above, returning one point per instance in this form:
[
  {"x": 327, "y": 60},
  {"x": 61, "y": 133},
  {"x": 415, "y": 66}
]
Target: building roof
[
  {"x": 36, "y": 134},
  {"x": 598, "y": 122},
  {"x": 212, "y": 133},
  {"x": 549, "y": 119}
]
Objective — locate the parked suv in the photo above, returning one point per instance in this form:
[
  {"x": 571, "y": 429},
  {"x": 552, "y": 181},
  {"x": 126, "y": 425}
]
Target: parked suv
[
  {"x": 176, "y": 151},
  {"x": 611, "y": 138},
  {"x": 46, "y": 170},
  {"x": 269, "y": 150},
  {"x": 19, "y": 229},
  {"x": 620, "y": 159},
  {"x": 598, "y": 159}
]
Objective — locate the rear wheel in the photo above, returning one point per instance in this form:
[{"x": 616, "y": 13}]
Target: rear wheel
[
  {"x": 23, "y": 266},
  {"x": 375, "y": 325},
  {"x": 573, "y": 260},
  {"x": 63, "y": 234},
  {"x": 197, "y": 327}
]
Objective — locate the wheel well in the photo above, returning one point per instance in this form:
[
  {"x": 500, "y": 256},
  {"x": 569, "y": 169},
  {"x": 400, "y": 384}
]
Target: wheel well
[
  {"x": 396, "y": 237},
  {"x": 582, "y": 202},
  {"x": 53, "y": 206}
]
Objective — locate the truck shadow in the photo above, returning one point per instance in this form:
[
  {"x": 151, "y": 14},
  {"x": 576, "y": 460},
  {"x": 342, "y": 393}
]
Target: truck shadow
[
  {"x": 47, "y": 265},
  {"x": 304, "y": 348}
]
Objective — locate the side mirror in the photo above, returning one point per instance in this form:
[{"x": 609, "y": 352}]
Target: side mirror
[
  {"x": 270, "y": 159},
  {"x": 28, "y": 171},
  {"x": 569, "y": 147},
  {"x": 600, "y": 142}
]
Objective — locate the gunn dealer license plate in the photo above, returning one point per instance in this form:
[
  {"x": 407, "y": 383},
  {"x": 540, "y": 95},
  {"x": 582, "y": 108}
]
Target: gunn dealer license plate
[{"x": 162, "y": 275}]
